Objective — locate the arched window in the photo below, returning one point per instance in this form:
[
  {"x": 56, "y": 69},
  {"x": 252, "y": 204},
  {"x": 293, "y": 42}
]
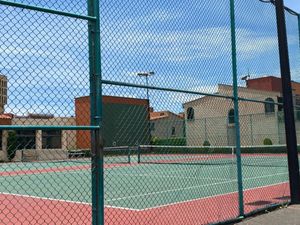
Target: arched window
[
  {"x": 190, "y": 113},
  {"x": 231, "y": 116},
  {"x": 269, "y": 107}
]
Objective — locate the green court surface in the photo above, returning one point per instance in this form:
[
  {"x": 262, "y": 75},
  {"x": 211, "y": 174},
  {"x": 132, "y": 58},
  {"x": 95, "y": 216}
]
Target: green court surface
[
  {"x": 136, "y": 186},
  {"x": 18, "y": 166}
]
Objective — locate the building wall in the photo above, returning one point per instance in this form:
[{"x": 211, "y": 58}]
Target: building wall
[
  {"x": 68, "y": 139},
  {"x": 68, "y": 136},
  {"x": 5, "y": 120},
  {"x": 162, "y": 128},
  {"x": 269, "y": 83},
  {"x": 211, "y": 119},
  {"x": 296, "y": 88},
  {"x": 3, "y": 92},
  {"x": 125, "y": 121}
]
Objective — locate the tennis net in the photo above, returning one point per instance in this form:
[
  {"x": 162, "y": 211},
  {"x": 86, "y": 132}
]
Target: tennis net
[
  {"x": 260, "y": 156},
  {"x": 111, "y": 155}
]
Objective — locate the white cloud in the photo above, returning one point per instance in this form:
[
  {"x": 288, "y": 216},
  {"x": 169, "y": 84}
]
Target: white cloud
[
  {"x": 189, "y": 45},
  {"x": 160, "y": 15}
]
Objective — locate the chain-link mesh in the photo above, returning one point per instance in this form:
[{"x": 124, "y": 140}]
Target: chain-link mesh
[
  {"x": 148, "y": 130},
  {"x": 44, "y": 68}
]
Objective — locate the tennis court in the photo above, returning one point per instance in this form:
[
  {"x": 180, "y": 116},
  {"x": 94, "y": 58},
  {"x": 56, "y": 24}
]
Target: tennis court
[{"x": 142, "y": 191}]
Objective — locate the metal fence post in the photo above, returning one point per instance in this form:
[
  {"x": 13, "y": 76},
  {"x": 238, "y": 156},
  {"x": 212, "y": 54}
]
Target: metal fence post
[
  {"x": 236, "y": 109},
  {"x": 290, "y": 130},
  {"x": 299, "y": 28},
  {"x": 96, "y": 114}
]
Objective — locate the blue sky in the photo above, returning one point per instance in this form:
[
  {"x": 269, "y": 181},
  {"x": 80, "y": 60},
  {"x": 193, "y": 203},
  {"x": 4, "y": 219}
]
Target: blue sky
[
  {"x": 187, "y": 45},
  {"x": 293, "y": 4}
]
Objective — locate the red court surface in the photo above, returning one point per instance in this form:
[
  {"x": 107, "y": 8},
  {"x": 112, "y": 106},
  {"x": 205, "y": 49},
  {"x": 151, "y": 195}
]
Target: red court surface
[{"x": 18, "y": 209}]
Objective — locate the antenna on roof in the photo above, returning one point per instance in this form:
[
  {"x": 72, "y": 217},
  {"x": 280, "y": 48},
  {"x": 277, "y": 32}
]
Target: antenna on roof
[{"x": 246, "y": 77}]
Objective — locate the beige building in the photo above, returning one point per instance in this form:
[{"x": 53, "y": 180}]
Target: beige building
[
  {"x": 40, "y": 144},
  {"x": 166, "y": 124},
  {"x": 212, "y": 119}
]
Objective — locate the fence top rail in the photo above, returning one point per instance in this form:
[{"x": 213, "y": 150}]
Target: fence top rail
[
  {"x": 47, "y": 10},
  {"x": 46, "y": 127}
]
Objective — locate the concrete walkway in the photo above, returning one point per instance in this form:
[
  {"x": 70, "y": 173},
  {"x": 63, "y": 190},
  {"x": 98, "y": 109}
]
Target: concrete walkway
[{"x": 284, "y": 216}]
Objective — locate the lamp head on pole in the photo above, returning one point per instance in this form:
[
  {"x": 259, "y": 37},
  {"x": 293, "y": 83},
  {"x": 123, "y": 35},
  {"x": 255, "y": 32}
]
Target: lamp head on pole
[{"x": 145, "y": 74}]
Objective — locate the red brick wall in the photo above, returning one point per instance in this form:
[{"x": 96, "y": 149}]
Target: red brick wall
[
  {"x": 5, "y": 121},
  {"x": 265, "y": 83},
  {"x": 6, "y": 118},
  {"x": 271, "y": 84},
  {"x": 82, "y": 113},
  {"x": 296, "y": 88}
]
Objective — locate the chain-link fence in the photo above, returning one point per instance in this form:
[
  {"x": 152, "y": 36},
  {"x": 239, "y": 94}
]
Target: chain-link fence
[{"x": 142, "y": 112}]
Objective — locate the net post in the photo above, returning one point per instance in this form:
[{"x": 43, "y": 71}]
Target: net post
[
  {"x": 97, "y": 167},
  {"x": 236, "y": 109},
  {"x": 128, "y": 154},
  {"x": 290, "y": 130},
  {"x": 139, "y": 154}
]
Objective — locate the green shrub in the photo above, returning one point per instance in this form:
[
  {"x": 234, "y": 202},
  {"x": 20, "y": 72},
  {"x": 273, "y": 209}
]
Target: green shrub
[
  {"x": 87, "y": 153},
  {"x": 154, "y": 140},
  {"x": 268, "y": 141},
  {"x": 12, "y": 145},
  {"x": 206, "y": 143}
]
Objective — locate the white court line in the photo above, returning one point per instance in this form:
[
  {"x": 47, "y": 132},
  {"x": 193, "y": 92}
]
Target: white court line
[
  {"x": 195, "y": 170},
  {"x": 188, "y": 188},
  {"x": 45, "y": 198},
  {"x": 133, "y": 209},
  {"x": 123, "y": 208},
  {"x": 212, "y": 196},
  {"x": 160, "y": 206},
  {"x": 62, "y": 200},
  {"x": 167, "y": 176}
]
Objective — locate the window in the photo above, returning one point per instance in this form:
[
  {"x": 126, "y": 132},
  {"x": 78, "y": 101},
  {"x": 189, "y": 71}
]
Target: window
[
  {"x": 173, "y": 131},
  {"x": 25, "y": 139},
  {"x": 51, "y": 139},
  {"x": 231, "y": 116},
  {"x": 190, "y": 114},
  {"x": 280, "y": 107},
  {"x": 269, "y": 107},
  {"x": 297, "y": 107}
]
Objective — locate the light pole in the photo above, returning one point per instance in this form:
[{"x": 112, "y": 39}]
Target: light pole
[{"x": 146, "y": 75}]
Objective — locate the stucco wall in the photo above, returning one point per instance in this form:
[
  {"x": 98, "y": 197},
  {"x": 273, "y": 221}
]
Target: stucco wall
[
  {"x": 211, "y": 119},
  {"x": 163, "y": 127}
]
